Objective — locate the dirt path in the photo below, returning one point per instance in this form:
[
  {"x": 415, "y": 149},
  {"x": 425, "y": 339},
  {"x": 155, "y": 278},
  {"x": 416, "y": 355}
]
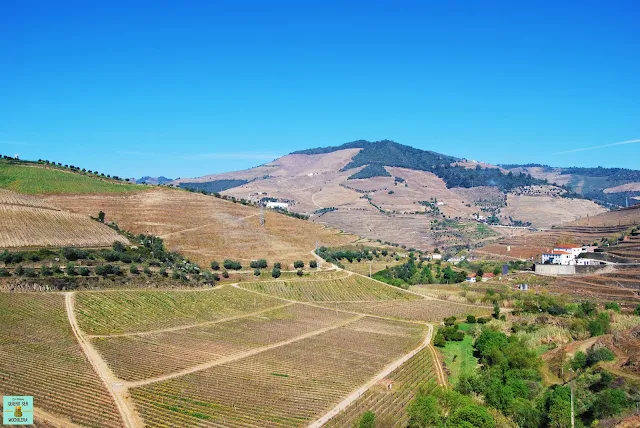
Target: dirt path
[
  {"x": 185, "y": 327},
  {"x": 51, "y": 419},
  {"x": 202, "y": 226},
  {"x": 125, "y": 406},
  {"x": 379, "y": 376},
  {"x": 239, "y": 356}
]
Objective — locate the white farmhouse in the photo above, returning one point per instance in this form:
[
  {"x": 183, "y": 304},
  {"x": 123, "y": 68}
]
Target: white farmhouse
[{"x": 278, "y": 205}]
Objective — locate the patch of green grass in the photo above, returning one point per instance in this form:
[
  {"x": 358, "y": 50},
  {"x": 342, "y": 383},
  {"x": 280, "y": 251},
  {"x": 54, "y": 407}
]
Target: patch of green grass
[
  {"x": 458, "y": 356},
  {"x": 40, "y": 180},
  {"x": 463, "y": 326}
]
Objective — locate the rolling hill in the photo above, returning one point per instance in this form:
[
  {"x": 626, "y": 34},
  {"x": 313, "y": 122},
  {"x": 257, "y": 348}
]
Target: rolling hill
[{"x": 400, "y": 194}]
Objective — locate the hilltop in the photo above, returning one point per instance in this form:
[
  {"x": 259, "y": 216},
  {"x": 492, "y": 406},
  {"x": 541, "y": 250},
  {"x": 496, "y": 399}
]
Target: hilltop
[{"x": 396, "y": 193}]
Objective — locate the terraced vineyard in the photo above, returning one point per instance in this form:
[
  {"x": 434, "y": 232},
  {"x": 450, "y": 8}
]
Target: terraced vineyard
[
  {"x": 39, "y": 356},
  {"x": 352, "y": 288},
  {"x": 116, "y": 312},
  {"x": 286, "y": 386},
  {"x": 8, "y": 197},
  {"x": 390, "y": 399},
  {"x": 424, "y": 310},
  {"x": 150, "y": 355},
  {"x": 24, "y": 226}
]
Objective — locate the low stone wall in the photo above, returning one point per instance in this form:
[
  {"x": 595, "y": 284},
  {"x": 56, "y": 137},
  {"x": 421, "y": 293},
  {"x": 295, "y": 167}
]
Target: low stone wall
[
  {"x": 557, "y": 270},
  {"x": 554, "y": 270}
]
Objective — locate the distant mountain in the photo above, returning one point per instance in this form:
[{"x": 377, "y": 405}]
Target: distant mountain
[
  {"x": 612, "y": 187},
  {"x": 154, "y": 180}
]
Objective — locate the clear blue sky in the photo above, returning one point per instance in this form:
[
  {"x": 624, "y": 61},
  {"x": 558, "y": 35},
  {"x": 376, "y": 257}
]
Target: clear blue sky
[{"x": 189, "y": 88}]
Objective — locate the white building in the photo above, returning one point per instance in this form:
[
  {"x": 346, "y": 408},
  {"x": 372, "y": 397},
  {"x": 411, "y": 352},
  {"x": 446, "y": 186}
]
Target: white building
[
  {"x": 574, "y": 250},
  {"x": 557, "y": 257},
  {"x": 278, "y": 205}
]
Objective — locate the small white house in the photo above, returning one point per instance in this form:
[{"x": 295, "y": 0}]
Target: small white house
[
  {"x": 278, "y": 205},
  {"x": 471, "y": 277},
  {"x": 436, "y": 256},
  {"x": 572, "y": 249}
]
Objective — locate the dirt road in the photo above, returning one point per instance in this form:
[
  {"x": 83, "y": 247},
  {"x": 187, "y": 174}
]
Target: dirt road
[{"x": 125, "y": 405}]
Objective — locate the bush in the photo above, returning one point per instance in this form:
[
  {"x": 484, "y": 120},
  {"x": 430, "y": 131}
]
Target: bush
[
  {"x": 259, "y": 264},
  {"x": 4, "y": 273},
  {"x": 45, "y": 271},
  {"x": 579, "y": 361},
  {"x": 73, "y": 254},
  {"x": 471, "y": 319},
  {"x": 70, "y": 269},
  {"x": 215, "y": 265},
  {"x": 612, "y": 306},
  {"x": 609, "y": 402},
  {"x": 232, "y": 265},
  {"x": 118, "y": 247},
  {"x": 299, "y": 272},
  {"x": 30, "y": 273},
  {"x": 19, "y": 270},
  {"x": 83, "y": 271},
  {"x": 111, "y": 256},
  {"x": 313, "y": 264},
  {"x": 450, "y": 321},
  {"x": 147, "y": 271},
  {"x": 636, "y": 311},
  {"x": 275, "y": 272},
  {"x": 594, "y": 356},
  {"x": 439, "y": 340},
  {"x": 599, "y": 326},
  {"x": 298, "y": 264},
  {"x": 225, "y": 274},
  {"x": 134, "y": 269},
  {"x": 277, "y": 265},
  {"x": 163, "y": 272},
  {"x": 256, "y": 272}
]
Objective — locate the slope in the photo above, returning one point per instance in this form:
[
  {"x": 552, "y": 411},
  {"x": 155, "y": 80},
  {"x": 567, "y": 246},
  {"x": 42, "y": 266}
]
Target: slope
[
  {"x": 28, "y": 222},
  {"x": 206, "y": 228}
]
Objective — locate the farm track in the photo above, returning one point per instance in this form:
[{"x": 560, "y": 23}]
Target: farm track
[
  {"x": 119, "y": 389},
  {"x": 125, "y": 405}
]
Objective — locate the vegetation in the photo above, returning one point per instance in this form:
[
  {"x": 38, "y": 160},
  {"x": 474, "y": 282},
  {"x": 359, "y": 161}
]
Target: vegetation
[
  {"x": 214, "y": 186},
  {"x": 370, "y": 171},
  {"x": 412, "y": 273}
]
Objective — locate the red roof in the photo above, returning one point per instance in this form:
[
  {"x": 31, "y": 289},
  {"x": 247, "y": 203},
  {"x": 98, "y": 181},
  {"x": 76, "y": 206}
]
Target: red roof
[
  {"x": 471, "y": 275},
  {"x": 488, "y": 275},
  {"x": 557, "y": 252},
  {"x": 568, "y": 246}
]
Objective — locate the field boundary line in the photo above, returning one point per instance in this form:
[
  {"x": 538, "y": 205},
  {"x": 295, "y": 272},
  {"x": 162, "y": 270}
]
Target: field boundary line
[
  {"x": 188, "y": 326},
  {"x": 123, "y": 402},
  {"x": 379, "y": 376},
  {"x": 202, "y": 226},
  {"x": 55, "y": 420},
  {"x": 241, "y": 355}
]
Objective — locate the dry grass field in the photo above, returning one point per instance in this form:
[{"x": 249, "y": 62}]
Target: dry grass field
[
  {"x": 40, "y": 356},
  {"x": 624, "y": 216},
  {"x": 545, "y": 211},
  {"x": 287, "y": 386},
  {"x": 205, "y": 228},
  {"x": 28, "y": 222}
]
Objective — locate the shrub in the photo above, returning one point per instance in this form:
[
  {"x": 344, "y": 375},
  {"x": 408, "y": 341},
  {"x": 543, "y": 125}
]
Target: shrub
[
  {"x": 175, "y": 275},
  {"x": 19, "y": 270},
  {"x": 278, "y": 265},
  {"x": 118, "y": 247},
  {"x": 579, "y": 361},
  {"x": 83, "y": 271},
  {"x": 450, "y": 321},
  {"x": 73, "y": 254},
  {"x": 298, "y": 264},
  {"x": 259, "y": 264},
  {"x": 147, "y": 271},
  {"x": 232, "y": 265},
  {"x": 612, "y": 306},
  {"x": 636, "y": 311},
  {"x": 215, "y": 265},
  {"x": 30, "y": 273},
  {"x": 134, "y": 269},
  {"x": 471, "y": 319},
  {"x": 599, "y": 326},
  {"x": 111, "y": 256},
  {"x": 609, "y": 402},
  {"x": 225, "y": 274},
  {"x": 299, "y": 272},
  {"x": 45, "y": 271},
  {"x": 439, "y": 340},
  {"x": 256, "y": 272},
  {"x": 594, "y": 356},
  {"x": 70, "y": 269},
  {"x": 4, "y": 273},
  {"x": 313, "y": 264},
  {"x": 275, "y": 272}
]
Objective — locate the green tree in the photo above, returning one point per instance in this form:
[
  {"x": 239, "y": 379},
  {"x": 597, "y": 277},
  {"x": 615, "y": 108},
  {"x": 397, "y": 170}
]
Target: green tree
[
  {"x": 612, "y": 306},
  {"x": 299, "y": 272},
  {"x": 313, "y": 264},
  {"x": 133, "y": 269},
  {"x": 472, "y": 415},
  {"x": 609, "y": 402},
  {"x": 579, "y": 361},
  {"x": 276, "y": 272},
  {"x": 70, "y": 269},
  {"x": 298, "y": 264},
  {"x": 84, "y": 271},
  {"x": 496, "y": 311},
  {"x": 424, "y": 412},
  {"x": 256, "y": 272},
  {"x": 367, "y": 420},
  {"x": 215, "y": 265}
]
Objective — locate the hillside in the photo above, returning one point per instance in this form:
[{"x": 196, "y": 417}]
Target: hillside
[
  {"x": 396, "y": 193},
  {"x": 614, "y": 187},
  {"x": 622, "y": 217},
  {"x": 28, "y": 222},
  {"x": 205, "y": 228}
]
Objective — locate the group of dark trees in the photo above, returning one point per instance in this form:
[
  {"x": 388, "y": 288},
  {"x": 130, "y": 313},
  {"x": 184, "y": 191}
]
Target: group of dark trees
[
  {"x": 418, "y": 272},
  {"x": 337, "y": 255}
]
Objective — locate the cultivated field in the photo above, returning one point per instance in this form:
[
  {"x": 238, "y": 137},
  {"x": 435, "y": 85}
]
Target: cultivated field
[
  {"x": 148, "y": 355},
  {"x": 132, "y": 311},
  {"x": 205, "y": 228},
  {"x": 7, "y": 197},
  {"x": 42, "y": 180},
  {"x": 40, "y": 356},
  {"x": 624, "y": 216},
  {"x": 390, "y": 398},
  {"x": 286, "y": 386},
  {"x": 25, "y": 226},
  {"x": 424, "y": 310},
  {"x": 351, "y": 288}
]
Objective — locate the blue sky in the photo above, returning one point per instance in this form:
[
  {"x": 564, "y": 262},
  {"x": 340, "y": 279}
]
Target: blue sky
[{"x": 190, "y": 88}]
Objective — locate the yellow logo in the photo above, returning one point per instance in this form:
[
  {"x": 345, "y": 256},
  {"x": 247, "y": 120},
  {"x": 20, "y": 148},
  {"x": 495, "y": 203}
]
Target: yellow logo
[{"x": 18, "y": 412}]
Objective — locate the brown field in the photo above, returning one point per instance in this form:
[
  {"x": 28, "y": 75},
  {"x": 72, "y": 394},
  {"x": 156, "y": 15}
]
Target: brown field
[
  {"x": 423, "y": 310},
  {"x": 7, "y": 197},
  {"x": 206, "y": 228},
  {"x": 376, "y": 265},
  {"x": 148, "y": 355},
  {"x": 545, "y": 211},
  {"x": 623, "y": 216},
  {"x": 286, "y": 386},
  {"x": 40, "y": 356},
  {"x": 26, "y": 226}
]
